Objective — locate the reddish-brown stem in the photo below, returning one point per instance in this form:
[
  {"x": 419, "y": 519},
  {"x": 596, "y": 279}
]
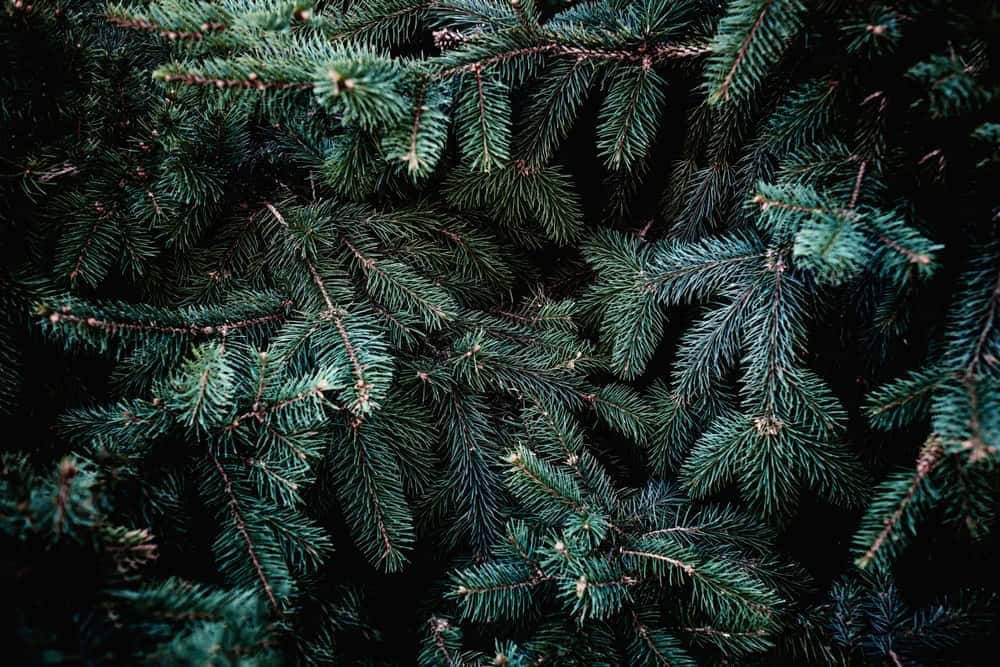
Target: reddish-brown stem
[
  {"x": 928, "y": 461},
  {"x": 418, "y": 110},
  {"x": 234, "y": 507},
  {"x": 438, "y": 625},
  {"x": 688, "y": 568},
  {"x": 643, "y": 632},
  {"x": 112, "y": 327},
  {"x": 250, "y": 82},
  {"x": 67, "y": 471},
  {"x": 741, "y": 54},
  {"x": 988, "y": 324},
  {"x": 518, "y": 463},
  {"x": 168, "y": 33},
  {"x": 857, "y": 184},
  {"x": 657, "y": 53},
  {"x": 912, "y": 256},
  {"x": 478, "y": 71},
  {"x": 260, "y": 411}
]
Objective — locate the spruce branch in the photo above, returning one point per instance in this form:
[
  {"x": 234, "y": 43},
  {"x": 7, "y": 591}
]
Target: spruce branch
[
  {"x": 135, "y": 23},
  {"x": 989, "y": 323},
  {"x": 237, "y": 514},
  {"x": 354, "y": 252},
  {"x": 64, "y": 315},
  {"x": 643, "y": 56},
  {"x": 750, "y": 38},
  {"x": 252, "y": 80},
  {"x": 930, "y": 456}
]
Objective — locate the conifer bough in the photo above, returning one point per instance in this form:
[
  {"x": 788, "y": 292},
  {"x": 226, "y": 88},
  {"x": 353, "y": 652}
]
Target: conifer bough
[{"x": 499, "y": 331}]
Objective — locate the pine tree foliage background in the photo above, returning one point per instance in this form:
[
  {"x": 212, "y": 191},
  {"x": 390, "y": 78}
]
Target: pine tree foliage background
[{"x": 503, "y": 332}]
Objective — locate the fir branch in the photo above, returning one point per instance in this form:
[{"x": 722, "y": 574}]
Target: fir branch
[
  {"x": 516, "y": 460},
  {"x": 978, "y": 448},
  {"x": 370, "y": 487},
  {"x": 485, "y": 590},
  {"x": 687, "y": 568},
  {"x": 260, "y": 410},
  {"x": 749, "y": 40},
  {"x": 912, "y": 256},
  {"x": 410, "y": 157},
  {"x": 741, "y": 53},
  {"x": 253, "y": 81},
  {"x": 921, "y": 393},
  {"x": 361, "y": 385},
  {"x": 856, "y": 192},
  {"x": 530, "y": 562},
  {"x": 64, "y": 315},
  {"x": 930, "y": 457},
  {"x": 234, "y": 507},
  {"x": 370, "y": 265},
  {"x": 643, "y": 56},
  {"x": 483, "y": 129},
  {"x": 694, "y": 269},
  {"x": 103, "y": 214},
  {"x": 67, "y": 472},
  {"x": 769, "y": 202},
  {"x": 380, "y": 522},
  {"x": 223, "y": 270},
  {"x": 989, "y": 322},
  {"x": 437, "y": 627},
  {"x": 771, "y": 382},
  {"x": 146, "y": 25},
  {"x": 643, "y": 631},
  {"x": 843, "y": 216},
  {"x": 372, "y": 20},
  {"x": 709, "y": 631}
]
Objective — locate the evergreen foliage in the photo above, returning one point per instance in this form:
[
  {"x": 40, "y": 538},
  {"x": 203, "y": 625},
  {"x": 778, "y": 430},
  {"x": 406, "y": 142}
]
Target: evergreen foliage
[{"x": 499, "y": 331}]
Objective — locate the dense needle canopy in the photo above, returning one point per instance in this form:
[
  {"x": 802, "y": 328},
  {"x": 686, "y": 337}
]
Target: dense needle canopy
[{"x": 507, "y": 332}]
